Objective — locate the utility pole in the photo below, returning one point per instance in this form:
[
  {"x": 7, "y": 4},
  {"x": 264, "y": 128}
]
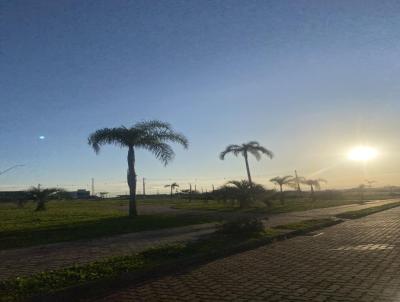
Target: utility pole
[
  {"x": 92, "y": 186},
  {"x": 144, "y": 186}
]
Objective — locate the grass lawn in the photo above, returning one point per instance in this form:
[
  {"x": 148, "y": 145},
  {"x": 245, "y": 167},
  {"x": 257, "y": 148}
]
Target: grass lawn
[
  {"x": 368, "y": 211},
  {"x": 290, "y": 205},
  {"x": 74, "y": 220}
]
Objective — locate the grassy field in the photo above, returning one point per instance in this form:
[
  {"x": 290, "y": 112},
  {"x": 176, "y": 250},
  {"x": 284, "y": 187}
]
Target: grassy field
[
  {"x": 74, "y": 220},
  {"x": 290, "y": 205}
]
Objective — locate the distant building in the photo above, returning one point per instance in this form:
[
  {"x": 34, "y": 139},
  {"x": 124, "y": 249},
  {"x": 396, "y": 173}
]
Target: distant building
[
  {"x": 80, "y": 194},
  {"x": 6, "y": 196}
]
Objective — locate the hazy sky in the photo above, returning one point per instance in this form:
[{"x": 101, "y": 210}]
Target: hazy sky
[{"x": 307, "y": 79}]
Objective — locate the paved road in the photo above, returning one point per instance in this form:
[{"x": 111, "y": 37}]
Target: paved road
[
  {"x": 25, "y": 261},
  {"x": 358, "y": 260}
]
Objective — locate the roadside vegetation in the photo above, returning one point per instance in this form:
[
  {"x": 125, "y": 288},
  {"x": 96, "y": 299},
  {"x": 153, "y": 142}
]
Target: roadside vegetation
[{"x": 367, "y": 211}]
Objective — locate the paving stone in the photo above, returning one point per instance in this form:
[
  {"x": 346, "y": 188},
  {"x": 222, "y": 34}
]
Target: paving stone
[{"x": 299, "y": 269}]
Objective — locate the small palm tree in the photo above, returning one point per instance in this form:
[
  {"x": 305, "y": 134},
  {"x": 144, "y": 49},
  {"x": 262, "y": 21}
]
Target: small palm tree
[
  {"x": 43, "y": 195},
  {"x": 281, "y": 181},
  {"x": 313, "y": 183},
  {"x": 150, "y": 135},
  {"x": 253, "y": 148},
  {"x": 243, "y": 191},
  {"x": 172, "y": 186}
]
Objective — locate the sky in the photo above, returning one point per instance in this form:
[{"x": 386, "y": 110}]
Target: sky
[{"x": 309, "y": 80}]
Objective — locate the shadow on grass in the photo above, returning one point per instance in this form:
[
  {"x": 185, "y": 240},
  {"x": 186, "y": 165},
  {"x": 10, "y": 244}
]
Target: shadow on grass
[{"x": 96, "y": 229}]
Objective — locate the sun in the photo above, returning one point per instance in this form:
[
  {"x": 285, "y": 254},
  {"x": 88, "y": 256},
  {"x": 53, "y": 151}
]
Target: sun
[{"x": 362, "y": 153}]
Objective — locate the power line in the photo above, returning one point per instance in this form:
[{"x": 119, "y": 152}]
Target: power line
[{"x": 9, "y": 169}]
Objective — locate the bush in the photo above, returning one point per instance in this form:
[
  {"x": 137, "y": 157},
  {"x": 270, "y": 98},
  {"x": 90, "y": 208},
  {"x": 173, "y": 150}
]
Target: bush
[{"x": 241, "y": 226}]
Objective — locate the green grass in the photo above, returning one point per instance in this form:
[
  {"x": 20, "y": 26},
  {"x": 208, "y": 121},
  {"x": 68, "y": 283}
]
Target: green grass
[
  {"x": 368, "y": 211},
  {"x": 290, "y": 205},
  {"x": 74, "y": 220}
]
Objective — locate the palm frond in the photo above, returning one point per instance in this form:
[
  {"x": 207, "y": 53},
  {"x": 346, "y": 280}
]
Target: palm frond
[
  {"x": 255, "y": 153},
  {"x": 161, "y": 151},
  {"x": 255, "y": 148},
  {"x": 235, "y": 149},
  {"x": 115, "y": 136},
  {"x": 265, "y": 151}
]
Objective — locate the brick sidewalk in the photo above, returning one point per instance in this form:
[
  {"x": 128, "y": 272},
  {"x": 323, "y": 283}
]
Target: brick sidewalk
[
  {"x": 25, "y": 261},
  {"x": 358, "y": 260}
]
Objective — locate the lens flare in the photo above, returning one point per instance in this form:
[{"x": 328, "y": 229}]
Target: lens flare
[{"x": 362, "y": 153}]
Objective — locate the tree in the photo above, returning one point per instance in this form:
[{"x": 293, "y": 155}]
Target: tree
[
  {"x": 281, "y": 181},
  {"x": 253, "y": 148},
  {"x": 313, "y": 183},
  {"x": 243, "y": 192},
  {"x": 172, "y": 186},
  {"x": 149, "y": 135},
  {"x": 41, "y": 196}
]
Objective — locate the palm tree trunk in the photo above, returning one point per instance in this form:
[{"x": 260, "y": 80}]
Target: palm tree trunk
[
  {"x": 312, "y": 193},
  {"x": 131, "y": 177},
  {"x": 282, "y": 197},
  {"x": 171, "y": 193},
  {"x": 247, "y": 168}
]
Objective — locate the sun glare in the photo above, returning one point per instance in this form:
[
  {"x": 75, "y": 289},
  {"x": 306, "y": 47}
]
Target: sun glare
[{"x": 362, "y": 153}]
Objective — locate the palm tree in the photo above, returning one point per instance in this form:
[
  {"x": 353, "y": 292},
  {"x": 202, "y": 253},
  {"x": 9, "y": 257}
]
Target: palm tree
[
  {"x": 43, "y": 195},
  {"x": 313, "y": 183},
  {"x": 281, "y": 181},
  {"x": 253, "y": 148},
  {"x": 149, "y": 135},
  {"x": 243, "y": 191},
  {"x": 172, "y": 186}
]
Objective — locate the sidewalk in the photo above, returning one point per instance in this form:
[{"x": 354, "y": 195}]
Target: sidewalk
[
  {"x": 358, "y": 261},
  {"x": 25, "y": 261}
]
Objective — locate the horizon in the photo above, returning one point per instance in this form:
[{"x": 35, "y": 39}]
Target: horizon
[{"x": 308, "y": 80}]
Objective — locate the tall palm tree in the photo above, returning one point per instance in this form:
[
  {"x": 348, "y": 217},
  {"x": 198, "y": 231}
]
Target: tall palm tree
[
  {"x": 43, "y": 195},
  {"x": 313, "y": 183},
  {"x": 253, "y": 148},
  {"x": 149, "y": 135},
  {"x": 281, "y": 181},
  {"x": 172, "y": 186}
]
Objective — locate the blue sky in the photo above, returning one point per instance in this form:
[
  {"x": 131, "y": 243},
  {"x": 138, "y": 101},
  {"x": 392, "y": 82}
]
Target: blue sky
[{"x": 307, "y": 79}]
